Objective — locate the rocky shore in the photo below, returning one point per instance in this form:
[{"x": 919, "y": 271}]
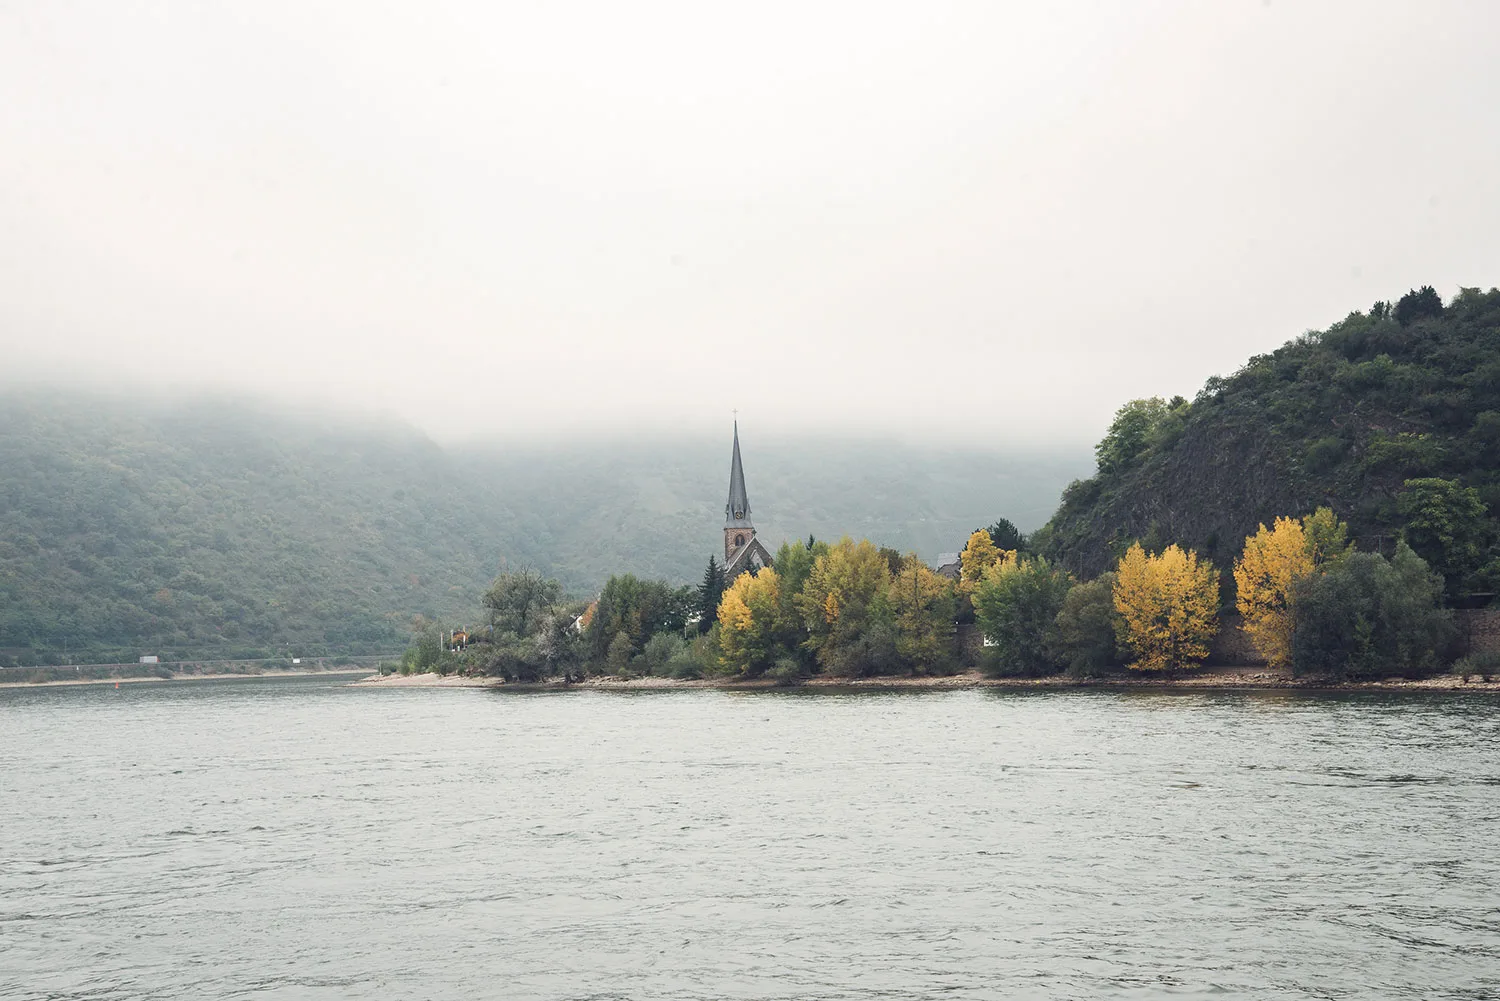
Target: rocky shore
[{"x": 1206, "y": 678}]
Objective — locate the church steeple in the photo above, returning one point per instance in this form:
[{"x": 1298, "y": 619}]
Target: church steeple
[
  {"x": 741, "y": 551},
  {"x": 737, "y": 511}
]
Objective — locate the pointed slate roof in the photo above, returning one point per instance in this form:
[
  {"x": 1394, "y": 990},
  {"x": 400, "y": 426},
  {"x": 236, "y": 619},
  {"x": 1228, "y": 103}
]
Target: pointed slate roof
[{"x": 737, "y": 511}]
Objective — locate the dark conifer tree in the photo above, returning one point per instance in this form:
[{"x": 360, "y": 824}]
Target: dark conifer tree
[
  {"x": 709, "y": 594},
  {"x": 1005, "y": 535}
]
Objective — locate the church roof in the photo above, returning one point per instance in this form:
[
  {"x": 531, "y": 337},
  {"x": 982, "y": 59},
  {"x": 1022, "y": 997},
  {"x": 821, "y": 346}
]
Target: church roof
[
  {"x": 742, "y": 560},
  {"x": 737, "y": 511}
]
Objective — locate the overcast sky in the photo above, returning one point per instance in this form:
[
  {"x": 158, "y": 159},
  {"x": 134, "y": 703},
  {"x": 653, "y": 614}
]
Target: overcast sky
[{"x": 963, "y": 219}]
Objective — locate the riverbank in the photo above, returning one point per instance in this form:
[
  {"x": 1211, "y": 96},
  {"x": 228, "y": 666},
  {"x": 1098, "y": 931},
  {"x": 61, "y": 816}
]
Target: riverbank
[
  {"x": 1249, "y": 678},
  {"x": 155, "y": 679}
]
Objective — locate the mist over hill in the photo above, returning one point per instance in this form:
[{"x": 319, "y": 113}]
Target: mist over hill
[{"x": 200, "y": 528}]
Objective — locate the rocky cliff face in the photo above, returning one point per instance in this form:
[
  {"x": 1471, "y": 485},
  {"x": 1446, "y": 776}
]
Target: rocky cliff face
[{"x": 1339, "y": 418}]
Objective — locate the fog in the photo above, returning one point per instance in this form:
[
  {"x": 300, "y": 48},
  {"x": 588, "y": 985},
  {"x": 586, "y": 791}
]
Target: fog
[{"x": 965, "y": 220}]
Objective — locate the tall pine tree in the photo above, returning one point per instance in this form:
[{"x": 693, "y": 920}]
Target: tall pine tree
[{"x": 710, "y": 592}]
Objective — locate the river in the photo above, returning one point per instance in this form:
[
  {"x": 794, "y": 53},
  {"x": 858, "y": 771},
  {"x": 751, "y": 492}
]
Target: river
[{"x": 296, "y": 838}]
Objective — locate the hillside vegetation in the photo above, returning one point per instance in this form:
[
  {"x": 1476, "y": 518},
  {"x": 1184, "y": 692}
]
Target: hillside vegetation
[
  {"x": 1391, "y": 417},
  {"x": 201, "y": 529}
]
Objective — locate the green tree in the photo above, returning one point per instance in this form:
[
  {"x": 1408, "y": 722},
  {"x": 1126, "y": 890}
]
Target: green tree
[
  {"x": 425, "y": 652},
  {"x": 1418, "y": 304},
  {"x": 618, "y": 655},
  {"x": 1367, "y": 617},
  {"x": 636, "y": 609},
  {"x": 794, "y": 564},
  {"x": 1131, "y": 431},
  {"x": 1327, "y": 537},
  {"x": 1446, "y": 525},
  {"x": 1086, "y": 627},
  {"x": 1016, "y": 606},
  {"x": 518, "y": 600},
  {"x": 560, "y": 646}
]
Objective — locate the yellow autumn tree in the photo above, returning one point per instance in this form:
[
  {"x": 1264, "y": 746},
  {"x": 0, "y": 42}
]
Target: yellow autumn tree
[
  {"x": 846, "y": 610},
  {"x": 980, "y": 553},
  {"x": 747, "y": 621},
  {"x": 1167, "y": 607},
  {"x": 924, "y": 607},
  {"x": 1274, "y": 561}
]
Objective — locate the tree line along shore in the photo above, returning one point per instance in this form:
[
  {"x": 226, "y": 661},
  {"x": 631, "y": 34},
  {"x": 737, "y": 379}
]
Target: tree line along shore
[
  {"x": 1313, "y": 609},
  {"x": 1326, "y": 511}
]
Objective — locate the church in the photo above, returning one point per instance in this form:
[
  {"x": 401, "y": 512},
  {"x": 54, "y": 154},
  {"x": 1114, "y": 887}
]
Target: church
[{"x": 742, "y": 550}]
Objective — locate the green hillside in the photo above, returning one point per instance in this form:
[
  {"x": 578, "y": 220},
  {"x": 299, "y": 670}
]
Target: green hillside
[
  {"x": 197, "y": 530},
  {"x": 1343, "y": 417}
]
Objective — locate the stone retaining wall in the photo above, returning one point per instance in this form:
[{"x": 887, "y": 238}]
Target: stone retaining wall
[{"x": 1480, "y": 629}]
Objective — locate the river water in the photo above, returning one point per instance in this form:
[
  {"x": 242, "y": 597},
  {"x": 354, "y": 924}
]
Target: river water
[{"x": 295, "y": 838}]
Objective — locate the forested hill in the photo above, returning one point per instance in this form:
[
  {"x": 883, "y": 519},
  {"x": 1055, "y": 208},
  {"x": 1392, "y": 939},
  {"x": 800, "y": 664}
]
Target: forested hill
[
  {"x": 1342, "y": 417},
  {"x": 199, "y": 530}
]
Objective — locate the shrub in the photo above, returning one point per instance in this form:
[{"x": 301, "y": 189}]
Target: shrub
[
  {"x": 786, "y": 672},
  {"x": 1484, "y": 663},
  {"x": 513, "y": 658},
  {"x": 661, "y": 650},
  {"x": 699, "y": 659}
]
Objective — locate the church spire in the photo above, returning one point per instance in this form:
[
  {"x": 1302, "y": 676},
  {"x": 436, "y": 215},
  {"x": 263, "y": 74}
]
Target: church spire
[
  {"x": 742, "y": 550},
  {"x": 737, "y": 511}
]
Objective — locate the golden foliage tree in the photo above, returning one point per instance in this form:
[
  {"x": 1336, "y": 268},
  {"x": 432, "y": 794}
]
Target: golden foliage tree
[
  {"x": 846, "y": 610},
  {"x": 748, "y": 622},
  {"x": 1167, "y": 607},
  {"x": 980, "y": 553},
  {"x": 1274, "y": 561},
  {"x": 923, "y": 604}
]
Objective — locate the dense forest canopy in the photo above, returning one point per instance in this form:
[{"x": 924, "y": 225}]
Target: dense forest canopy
[
  {"x": 1391, "y": 417},
  {"x": 200, "y": 529}
]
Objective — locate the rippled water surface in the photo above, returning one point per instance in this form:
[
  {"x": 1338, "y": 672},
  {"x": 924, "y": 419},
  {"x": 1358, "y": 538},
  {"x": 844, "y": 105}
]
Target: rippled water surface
[{"x": 299, "y": 839}]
